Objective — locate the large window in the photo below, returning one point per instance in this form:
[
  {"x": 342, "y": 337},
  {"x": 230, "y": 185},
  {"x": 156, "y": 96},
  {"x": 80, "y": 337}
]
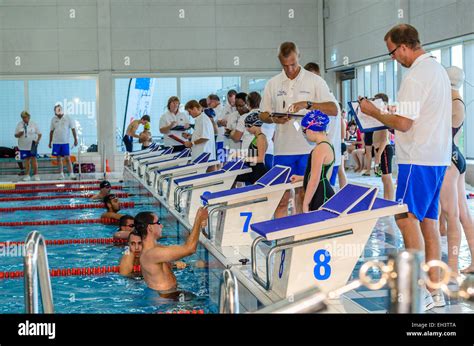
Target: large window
[
  {"x": 11, "y": 105},
  {"x": 367, "y": 80},
  {"x": 382, "y": 76},
  {"x": 257, "y": 84},
  {"x": 78, "y": 99}
]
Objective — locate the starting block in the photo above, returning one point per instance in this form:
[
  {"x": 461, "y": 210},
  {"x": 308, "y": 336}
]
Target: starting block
[
  {"x": 163, "y": 179},
  {"x": 232, "y": 211},
  {"x": 142, "y": 158},
  {"x": 189, "y": 189},
  {"x": 320, "y": 248},
  {"x": 154, "y": 163}
]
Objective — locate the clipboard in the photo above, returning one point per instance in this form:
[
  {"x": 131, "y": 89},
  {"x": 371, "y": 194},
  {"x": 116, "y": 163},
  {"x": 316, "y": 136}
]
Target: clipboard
[
  {"x": 364, "y": 122},
  {"x": 177, "y": 139},
  {"x": 279, "y": 115}
]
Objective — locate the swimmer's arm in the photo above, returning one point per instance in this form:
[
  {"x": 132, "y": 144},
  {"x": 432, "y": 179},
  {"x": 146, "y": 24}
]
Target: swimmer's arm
[
  {"x": 121, "y": 234},
  {"x": 236, "y": 135},
  {"x": 391, "y": 120},
  {"x": 111, "y": 215},
  {"x": 126, "y": 264},
  {"x": 316, "y": 164},
  {"x": 262, "y": 147},
  {"x": 133, "y": 131}
]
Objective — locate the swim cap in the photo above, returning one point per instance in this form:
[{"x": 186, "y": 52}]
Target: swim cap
[
  {"x": 210, "y": 112},
  {"x": 456, "y": 77},
  {"x": 253, "y": 120},
  {"x": 105, "y": 184},
  {"x": 147, "y": 127},
  {"x": 315, "y": 121}
]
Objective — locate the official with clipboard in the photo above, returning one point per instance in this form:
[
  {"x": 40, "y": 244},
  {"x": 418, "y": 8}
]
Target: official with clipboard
[{"x": 28, "y": 135}]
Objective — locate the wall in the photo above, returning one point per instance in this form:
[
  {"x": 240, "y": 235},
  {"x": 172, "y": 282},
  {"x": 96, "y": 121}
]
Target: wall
[
  {"x": 87, "y": 36},
  {"x": 355, "y": 29}
]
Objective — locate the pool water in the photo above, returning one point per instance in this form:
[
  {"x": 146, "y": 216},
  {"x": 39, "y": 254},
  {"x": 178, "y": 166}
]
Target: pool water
[{"x": 107, "y": 293}]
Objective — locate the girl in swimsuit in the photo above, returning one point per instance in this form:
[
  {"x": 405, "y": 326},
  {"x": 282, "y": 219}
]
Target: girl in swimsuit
[
  {"x": 321, "y": 159},
  {"x": 454, "y": 208}
]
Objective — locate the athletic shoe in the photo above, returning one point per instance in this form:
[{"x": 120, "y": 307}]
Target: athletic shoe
[
  {"x": 429, "y": 303},
  {"x": 72, "y": 176},
  {"x": 26, "y": 178},
  {"x": 438, "y": 298},
  {"x": 36, "y": 177},
  {"x": 61, "y": 176}
]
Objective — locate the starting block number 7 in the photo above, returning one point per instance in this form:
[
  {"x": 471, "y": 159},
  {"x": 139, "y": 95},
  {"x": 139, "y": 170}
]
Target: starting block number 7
[{"x": 248, "y": 216}]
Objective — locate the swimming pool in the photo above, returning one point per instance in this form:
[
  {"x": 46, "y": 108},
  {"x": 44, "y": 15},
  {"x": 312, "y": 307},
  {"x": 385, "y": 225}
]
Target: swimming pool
[{"x": 107, "y": 293}]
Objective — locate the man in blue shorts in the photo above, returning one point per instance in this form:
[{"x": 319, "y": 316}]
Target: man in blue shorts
[
  {"x": 59, "y": 139},
  {"x": 293, "y": 90},
  {"x": 422, "y": 123}
]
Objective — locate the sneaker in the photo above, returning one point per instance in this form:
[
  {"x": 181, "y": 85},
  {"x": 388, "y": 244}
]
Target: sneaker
[
  {"x": 36, "y": 177},
  {"x": 72, "y": 176},
  {"x": 429, "y": 303},
  {"x": 61, "y": 176},
  {"x": 26, "y": 178},
  {"x": 438, "y": 298}
]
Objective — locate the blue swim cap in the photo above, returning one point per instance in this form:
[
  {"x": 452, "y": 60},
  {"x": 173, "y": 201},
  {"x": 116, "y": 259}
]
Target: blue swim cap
[{"x": 315, "y": 121}]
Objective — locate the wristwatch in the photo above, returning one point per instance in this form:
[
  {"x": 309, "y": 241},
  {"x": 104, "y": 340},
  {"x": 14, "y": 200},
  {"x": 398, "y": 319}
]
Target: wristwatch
[{"x": 309, "y": 104}]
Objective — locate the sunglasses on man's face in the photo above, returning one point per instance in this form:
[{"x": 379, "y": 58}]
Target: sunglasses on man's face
[{"x": 155, "y": 223}]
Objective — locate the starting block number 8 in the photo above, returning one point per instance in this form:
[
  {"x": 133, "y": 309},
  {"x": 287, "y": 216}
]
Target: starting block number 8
[{"x": 322, "y": 269}]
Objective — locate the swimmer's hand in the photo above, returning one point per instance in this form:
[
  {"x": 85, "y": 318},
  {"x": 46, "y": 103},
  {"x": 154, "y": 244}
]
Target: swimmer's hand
[
  {"x": 306, "y": 208},
  {"x": 180, "y": 265},
  {"x": 296, "y": 178},
  {"x": 202, "y": 216},
  {"x": 186, "y": 126},
  {"x": 186, "y": 135}
]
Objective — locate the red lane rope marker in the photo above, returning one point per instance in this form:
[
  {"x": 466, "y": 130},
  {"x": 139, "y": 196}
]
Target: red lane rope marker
[
  {"x": 63, "y": 189},
  {"x": 104, "y": 221},
  {"x": 65, "y": 207},
  {"x": 86, "y": 271},
  {"x": 53, "y": 242},
  {"x": 184, "y": 312},
  {"x": 87, "y": 182},
  {"x": 38, "y": 198}
]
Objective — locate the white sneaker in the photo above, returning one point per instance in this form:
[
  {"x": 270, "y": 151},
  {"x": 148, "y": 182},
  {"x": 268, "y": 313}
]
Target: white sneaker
[
  {"x": 61, "y": 176},
  {"x": 36, "y": 177},
  {"x": 72, "y": 176},
  {"x": 438, "y": 298},
  {"x": 428, "y": 299},
  {"x": 26, "y": 178}
]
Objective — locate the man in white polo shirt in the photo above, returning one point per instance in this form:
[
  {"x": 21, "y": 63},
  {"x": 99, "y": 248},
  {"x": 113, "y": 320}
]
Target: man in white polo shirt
[
  {"x": 295, "y": 90},
  {"x": 59, "y": 139},
  {"x": 174, "y": 122},
  {"x": 422, "y": 122}
]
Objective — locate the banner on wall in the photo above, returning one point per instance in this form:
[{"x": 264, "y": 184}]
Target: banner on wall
[{"x": 139, "y": 100}]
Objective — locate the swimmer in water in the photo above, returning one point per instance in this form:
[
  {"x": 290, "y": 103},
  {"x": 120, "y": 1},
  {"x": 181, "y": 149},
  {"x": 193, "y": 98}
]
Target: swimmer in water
[
  {"x": 112, "y": 204},
  {"x": 156, "y": 259},
  {"x": 131, "y": 258},
  {"x": 105, "y": 188}
]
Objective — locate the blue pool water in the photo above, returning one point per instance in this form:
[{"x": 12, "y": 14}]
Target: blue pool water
[{"x": 108, "y": 293}]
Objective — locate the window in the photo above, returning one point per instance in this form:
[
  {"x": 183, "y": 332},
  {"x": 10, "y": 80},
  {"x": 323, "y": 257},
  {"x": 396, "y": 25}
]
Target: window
[
  {"x": 437, "y": 54},
  {"x": 367, "y": 80},
  {"x": 257, "y": 84},
  {"x": 457, "y": 60},
  {"x": 395, "y": 80},
  {"x": 12, "y": 104},
  {"x": 78, "y": 99},
  {"x": 200, "y": 87},
  {"x": 382, "y": 72}
]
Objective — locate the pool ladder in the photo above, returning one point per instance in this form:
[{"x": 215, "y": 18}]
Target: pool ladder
[
  {"x": 228, "y": 294},
  {"x": 36, "y": 265}
]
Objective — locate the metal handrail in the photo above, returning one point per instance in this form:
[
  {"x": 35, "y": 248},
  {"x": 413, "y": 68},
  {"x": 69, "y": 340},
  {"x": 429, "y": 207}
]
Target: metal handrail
[
  {"x": 228, "y": 293},
  {"x": 36, "y": 265},
  {"x": 309, "y": 301}
]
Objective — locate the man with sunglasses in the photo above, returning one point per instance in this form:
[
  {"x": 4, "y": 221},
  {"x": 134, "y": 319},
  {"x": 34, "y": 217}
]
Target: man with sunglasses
[
  {"x": 112, "y": 204},
  {"x": 156, "y": 259},
  {"x": 422, "y": 123}
]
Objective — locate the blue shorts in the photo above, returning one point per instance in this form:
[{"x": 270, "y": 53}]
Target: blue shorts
[
  {"x": 297, "y": 163},
  {"x": 268, "y": 161},
  {"x": 332, "y": 181},
  {"x": 24, "y": 154},
  {"x": 419, "y": 188},
  {"x": 61, "y": 149}
]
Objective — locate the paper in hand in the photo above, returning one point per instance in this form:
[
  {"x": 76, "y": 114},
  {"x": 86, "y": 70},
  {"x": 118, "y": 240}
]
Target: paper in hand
[{"x": 365, "y": 122}]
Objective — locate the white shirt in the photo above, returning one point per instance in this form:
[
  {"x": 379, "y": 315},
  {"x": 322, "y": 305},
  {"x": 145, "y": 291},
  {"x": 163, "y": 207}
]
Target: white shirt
[
  {"x": 166, "y": 119},
  {"x": 232, "y": 121},
  {"x": 228, "y": 110},
  {"x": 61, "y": 127},
  {"x": 220, "y": 115},
  {"x": 425, "y": 97},
  {"x": 31, "y": 132},
  {"x": 247, "y": 137},
  {"x": 280, "y": 92},
  {"x": 334, "y": 135},
  {"x": 203, "y": 129}
]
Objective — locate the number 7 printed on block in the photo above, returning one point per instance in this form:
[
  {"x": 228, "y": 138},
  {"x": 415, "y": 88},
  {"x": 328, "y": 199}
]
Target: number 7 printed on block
[{"x": 248, "y": 215}]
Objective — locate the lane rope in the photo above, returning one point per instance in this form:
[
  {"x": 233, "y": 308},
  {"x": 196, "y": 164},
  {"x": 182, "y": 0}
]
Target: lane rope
[
  {"x": 104, "y": 221},
  {"x": 53, "y": 242},
  {"x": 99, "y": 205},
  {"x": 63, "y": 189}
]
